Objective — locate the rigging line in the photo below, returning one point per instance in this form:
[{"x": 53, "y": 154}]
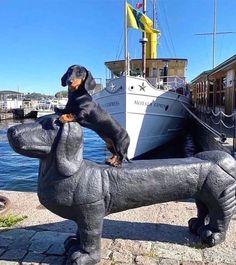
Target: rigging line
[
  {"x": 168, "y": 28},
  {"x": 220, "y": 42},
  {"x": 120, "y": 46},
  {"x": 163, "y": 35}
]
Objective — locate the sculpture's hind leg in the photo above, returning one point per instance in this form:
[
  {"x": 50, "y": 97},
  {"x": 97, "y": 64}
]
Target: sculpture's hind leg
[
  {"x": 86, "y": 249},
  {"x": 197, "y": 224},
  {"x": 219, "y": 217}
]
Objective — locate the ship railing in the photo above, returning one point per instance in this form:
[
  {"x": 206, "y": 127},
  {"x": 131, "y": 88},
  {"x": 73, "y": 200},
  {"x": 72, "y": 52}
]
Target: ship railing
[{"x": 170, "y": 83}]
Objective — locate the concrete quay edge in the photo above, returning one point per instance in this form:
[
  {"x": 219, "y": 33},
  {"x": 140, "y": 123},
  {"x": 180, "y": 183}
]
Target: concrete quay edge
[{"x": 156, "y": 234}]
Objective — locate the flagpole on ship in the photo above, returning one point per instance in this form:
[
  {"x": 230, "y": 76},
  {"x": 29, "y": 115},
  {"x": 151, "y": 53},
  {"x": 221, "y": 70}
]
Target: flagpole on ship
[
  {"x": 144, "y": 41},
  {"x": 126, "y": 55}
]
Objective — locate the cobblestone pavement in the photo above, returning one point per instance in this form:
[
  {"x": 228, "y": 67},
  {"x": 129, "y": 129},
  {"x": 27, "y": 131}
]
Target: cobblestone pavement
[{"x": 146, "y": 236}]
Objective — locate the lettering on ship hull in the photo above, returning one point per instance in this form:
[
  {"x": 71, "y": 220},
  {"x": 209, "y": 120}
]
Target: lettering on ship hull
[{"x": 150, "y": 104}]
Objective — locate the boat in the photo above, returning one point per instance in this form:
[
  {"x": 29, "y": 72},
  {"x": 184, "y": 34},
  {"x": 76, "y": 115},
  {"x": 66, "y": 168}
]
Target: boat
[
  {"x": 46, "y": 107},
  {"x": 146, "y": 96}
]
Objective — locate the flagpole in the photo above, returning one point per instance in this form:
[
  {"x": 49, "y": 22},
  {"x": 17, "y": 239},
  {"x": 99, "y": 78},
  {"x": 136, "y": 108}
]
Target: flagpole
[
  {"x": 126, "y": 39},
  {"x": 144, "y": 42}
]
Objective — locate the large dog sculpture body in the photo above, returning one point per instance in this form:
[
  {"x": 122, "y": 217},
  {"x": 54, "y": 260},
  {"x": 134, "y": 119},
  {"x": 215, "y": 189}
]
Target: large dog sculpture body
[{"x": 85, "y": 192}]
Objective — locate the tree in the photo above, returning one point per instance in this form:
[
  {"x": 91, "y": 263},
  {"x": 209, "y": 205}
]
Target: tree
[{"x": 61, "y": 94}]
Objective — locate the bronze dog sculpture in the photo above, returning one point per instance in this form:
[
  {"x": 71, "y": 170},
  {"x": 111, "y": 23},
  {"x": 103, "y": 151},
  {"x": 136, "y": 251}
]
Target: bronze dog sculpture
[
  {"x": 85, "y": 192},
  {"x": 81, "y": 108}
]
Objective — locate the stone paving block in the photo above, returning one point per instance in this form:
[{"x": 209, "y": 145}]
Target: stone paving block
[
  {"x": 4, "y": 242},
  {"x": 105, "y": 262},
  {"x": 106, "y": 243},
  {"x": 8, "y": 262},
  {"x": 13, "y": 255},
  {"x": 2, "y": 250},
  {"x": 40, "y": 247},
  {"x": 42, "y": 241},
  {"x": 144, "y": 260},
  {"x": 106, "y": 254},
  {"x": 20, "y": 244},
  {"x": 50, "y": 236},
  {"x": 131, "y": 246},
  {"x": 121, "y": 257},
  {"x": 56, "y": 249},
  {"x": 17, "y": 233},
  {"x": 177, "y": 252},
  {"x": 220, "y": 254},
  {"x": 169, "y": 262},
  {"x": 195, "y": 263},
  {"x": 33, "y": 258},
  {"x": 53, "y": 260}
]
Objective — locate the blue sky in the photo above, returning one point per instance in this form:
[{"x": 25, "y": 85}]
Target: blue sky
[{"x": 40, "y": 39}]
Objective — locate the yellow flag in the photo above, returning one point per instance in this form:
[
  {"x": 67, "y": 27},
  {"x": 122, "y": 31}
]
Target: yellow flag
[{"x": 138, "y": 20}]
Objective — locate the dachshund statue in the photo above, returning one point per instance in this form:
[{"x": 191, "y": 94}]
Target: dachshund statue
[{"x": 85, "y": 192}]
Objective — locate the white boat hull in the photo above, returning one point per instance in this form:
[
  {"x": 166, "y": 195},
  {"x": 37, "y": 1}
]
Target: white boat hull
[{"x": 152, "y": 117}]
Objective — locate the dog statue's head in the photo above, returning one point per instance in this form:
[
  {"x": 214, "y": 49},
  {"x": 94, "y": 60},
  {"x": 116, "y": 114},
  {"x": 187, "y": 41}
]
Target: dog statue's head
[
  {"x": 47, "y": 137},
  {"x": 77, "y": 76}
]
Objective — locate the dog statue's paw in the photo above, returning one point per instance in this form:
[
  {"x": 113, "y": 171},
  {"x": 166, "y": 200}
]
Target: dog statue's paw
[
  {"x": 212, "y": 238},
  {"x": 79, "y": 257}
]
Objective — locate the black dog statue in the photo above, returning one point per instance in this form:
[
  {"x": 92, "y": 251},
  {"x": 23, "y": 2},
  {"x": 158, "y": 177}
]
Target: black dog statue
[
  {"x": 85, "y": 192},
  {"x": 81, "y": 108}
]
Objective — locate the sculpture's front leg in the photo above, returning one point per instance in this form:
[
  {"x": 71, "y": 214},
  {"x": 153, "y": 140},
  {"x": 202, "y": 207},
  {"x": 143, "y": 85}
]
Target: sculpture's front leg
[{"x": 85, "y": 250}]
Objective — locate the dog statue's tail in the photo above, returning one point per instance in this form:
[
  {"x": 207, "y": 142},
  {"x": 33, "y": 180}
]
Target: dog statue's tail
[{"x": 222, "y": 159}]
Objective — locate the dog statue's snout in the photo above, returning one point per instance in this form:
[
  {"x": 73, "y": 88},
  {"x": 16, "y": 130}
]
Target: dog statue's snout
[{"x": 12, "y": 132}]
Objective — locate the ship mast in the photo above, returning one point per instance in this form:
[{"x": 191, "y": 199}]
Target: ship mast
[{"x": 146, "y": 38}]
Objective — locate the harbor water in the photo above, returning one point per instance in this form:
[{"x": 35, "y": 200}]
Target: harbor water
[{"x": 19, "y": 173}]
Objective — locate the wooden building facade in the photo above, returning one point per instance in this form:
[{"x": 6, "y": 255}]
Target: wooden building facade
[{"x": 216, "y": 89}]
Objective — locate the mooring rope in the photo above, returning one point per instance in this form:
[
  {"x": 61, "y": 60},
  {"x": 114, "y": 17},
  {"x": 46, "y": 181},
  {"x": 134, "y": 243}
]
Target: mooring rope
[{"x": 208, "y": 127}]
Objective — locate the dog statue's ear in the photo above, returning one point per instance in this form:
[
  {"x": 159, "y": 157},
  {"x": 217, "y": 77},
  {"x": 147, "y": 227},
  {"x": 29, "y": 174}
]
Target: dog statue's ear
[
  {"x": 89, "y": 83},
  {"x": 69, "y": 152},
  {"x": 64, "y": 79}
]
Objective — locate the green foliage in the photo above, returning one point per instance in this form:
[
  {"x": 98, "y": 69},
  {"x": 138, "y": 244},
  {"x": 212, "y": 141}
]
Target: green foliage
[
  {"x": 36, "y": 96},
  {"x": 61, "y": 94},
  {"x": 11, "y": 220}
]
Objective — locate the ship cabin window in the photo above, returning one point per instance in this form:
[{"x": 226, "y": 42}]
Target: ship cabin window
[
  {"x": 147, "y": 72},
  {"x": 154, "y": 72},
  {"x": 138, "y": 71}
]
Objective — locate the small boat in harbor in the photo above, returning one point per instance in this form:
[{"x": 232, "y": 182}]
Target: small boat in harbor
[
  {"x": 146, "y": 95},
  {"x": 46, "y": 107}
]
